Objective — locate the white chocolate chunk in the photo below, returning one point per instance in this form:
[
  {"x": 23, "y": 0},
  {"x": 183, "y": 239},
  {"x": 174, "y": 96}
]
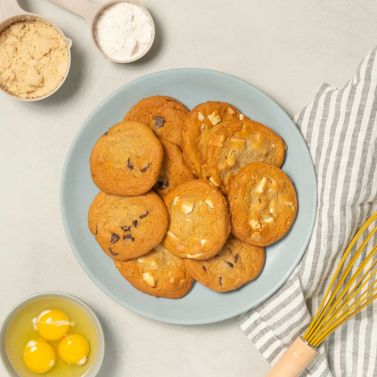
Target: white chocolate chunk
[
  {"x": 214, "y": 118},
  {"x": 148, "y": 278},
  {"x": 201, "y": 117},
  {"x": 209, "y": 203},
  {"x": 193, "y": 256},
  {"x": 175, "y": 200},
  {"x": 241, "y": 116},
  {"x": 268, "y": 219},
  {"x": 260, "y": 188},
  {"x": 255, "y": 224},
  {"x": 171, "y": 234},
  {"x": 187, "y": 208},
  {"x": 203, "y": 242},
  {"x": 213, "y": 181},
  {"x": 230, "y": 111}
]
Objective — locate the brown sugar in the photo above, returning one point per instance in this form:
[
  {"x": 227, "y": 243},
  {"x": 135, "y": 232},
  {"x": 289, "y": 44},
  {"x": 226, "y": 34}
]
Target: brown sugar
[{"x": 34, "y": 59}]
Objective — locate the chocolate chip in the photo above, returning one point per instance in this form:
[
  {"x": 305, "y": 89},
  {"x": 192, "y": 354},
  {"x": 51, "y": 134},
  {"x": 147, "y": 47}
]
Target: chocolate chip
[
  {"x": 130, "y": 164},
  {"x": 105, "y": 134},
  {"x": 204, "y": 268},
  {"x": 162, "y": 183},
  {"x": 230, "y": 264},
  {"x": 96, "y": 231},
  {"x": 112, "y": 252},
  {"x": 129, "y": 237},
  {"x": 126, "y": 228},
  {"x": 134, "y": 223},
  {"x": 146, "y": 167},
  {"x": 221, "y": 280},
  {"x": 145, "y": 214},
  {"x": 158, "y": 122},
  {"x": 236, "y": 257},
  {"x": 114, "y": 238}
]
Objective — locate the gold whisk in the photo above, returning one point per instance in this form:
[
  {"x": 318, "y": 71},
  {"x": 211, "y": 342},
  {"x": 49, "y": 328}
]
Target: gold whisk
[{"x": 352, "y": 288}]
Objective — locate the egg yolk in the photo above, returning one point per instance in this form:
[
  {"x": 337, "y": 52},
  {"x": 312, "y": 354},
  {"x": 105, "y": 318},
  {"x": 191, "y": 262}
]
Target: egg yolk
[
  {"x": 39, "y": 356},
  {"x": 52, "y": 324},
  {"x": 74, "y": 349}
]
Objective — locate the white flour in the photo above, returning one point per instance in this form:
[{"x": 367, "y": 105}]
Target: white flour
[{"x": 124, "y": 31}]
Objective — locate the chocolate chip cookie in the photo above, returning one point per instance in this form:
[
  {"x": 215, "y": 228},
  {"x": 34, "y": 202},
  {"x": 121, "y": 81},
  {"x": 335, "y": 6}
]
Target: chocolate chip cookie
[
  {"x": 174, "y": 171},
  {"x": 128, "y": 226},
  {"x": 263, "y": 204},
  {"x": 158, "y": 273},
  {"x": 164, "y": 115},
  {"x": 126, "y": 160},
  {"x": 199, "y": 124},
  {"x": 199, "y": 220},
  {"x": 234, "y": 145},
  {"x": 237, "y": 264}
]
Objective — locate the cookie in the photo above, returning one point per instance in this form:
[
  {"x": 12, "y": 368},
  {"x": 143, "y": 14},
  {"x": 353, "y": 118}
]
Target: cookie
[
  {"x": 199, "y": 124},
  {"x": 128, "y": 226},
  {"x": 234, "y": 145},
  {"x": 237, "y": 264},
  {"x": 126, "y": 160},
  {"x": 159, "y": 273},
  {"x": 174, "y": 171},
  {"x": 199, "y": 220},
  {"x": 164, "y": 115},
  {"x": 263, "y": 204}
]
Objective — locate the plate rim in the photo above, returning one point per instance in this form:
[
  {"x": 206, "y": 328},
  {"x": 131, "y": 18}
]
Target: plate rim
[{"x": 146, "y": 314}]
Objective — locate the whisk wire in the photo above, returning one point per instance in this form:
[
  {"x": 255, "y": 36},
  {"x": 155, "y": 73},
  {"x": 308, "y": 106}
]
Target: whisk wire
[
  {"x": 360, "y": 281},
  {"x": 327, "y": 298},
  {"x": 319, "y": 338},
  {"x": 352, "y": 293},
  {"x": 343, "y": 301}
]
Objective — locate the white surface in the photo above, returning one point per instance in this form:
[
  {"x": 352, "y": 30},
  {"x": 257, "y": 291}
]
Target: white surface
[{"x": 287, "y": 48}]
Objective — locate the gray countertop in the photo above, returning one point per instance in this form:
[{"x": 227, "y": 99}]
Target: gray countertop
[{"x": 286, "y": 48}]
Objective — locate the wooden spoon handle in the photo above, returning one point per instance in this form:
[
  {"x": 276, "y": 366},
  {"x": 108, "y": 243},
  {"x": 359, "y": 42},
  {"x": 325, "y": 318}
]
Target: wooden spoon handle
[
  {"x": 83, "y": 8},
  {"x": 295, "y": 360}
]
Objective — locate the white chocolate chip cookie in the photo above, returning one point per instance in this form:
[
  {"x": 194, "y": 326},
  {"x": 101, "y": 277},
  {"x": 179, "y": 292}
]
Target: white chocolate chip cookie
[{"x": 199, "y": 220}]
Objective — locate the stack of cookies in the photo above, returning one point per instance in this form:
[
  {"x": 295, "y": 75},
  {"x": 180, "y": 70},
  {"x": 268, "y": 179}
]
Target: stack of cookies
[{"x": 189, "y": 195}]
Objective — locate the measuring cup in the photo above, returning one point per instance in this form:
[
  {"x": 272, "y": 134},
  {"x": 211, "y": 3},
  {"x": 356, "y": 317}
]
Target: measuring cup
[
  {"x": 91, "y": 12},
  {"x": 11, "y": 12}
]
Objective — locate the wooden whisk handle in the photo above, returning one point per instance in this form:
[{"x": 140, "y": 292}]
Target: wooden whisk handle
[{"x": 295, "y": 360}]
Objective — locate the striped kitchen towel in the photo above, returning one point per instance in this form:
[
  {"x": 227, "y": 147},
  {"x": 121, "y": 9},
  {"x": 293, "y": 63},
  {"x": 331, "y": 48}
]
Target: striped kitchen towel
[{"x": 340, "y": 129}]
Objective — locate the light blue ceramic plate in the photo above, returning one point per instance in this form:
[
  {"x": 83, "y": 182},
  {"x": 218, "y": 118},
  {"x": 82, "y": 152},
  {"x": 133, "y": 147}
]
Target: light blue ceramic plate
[{"x": 191, "y": 86}]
